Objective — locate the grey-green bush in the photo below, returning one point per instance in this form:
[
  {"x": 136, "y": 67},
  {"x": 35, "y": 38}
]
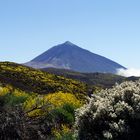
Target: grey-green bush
[{"x": 113, "y": 114}]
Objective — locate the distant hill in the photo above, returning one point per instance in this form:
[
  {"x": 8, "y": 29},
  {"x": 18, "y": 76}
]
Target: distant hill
[
  {"x": 70, "y": 56},
  {"x": 104, "y": 80},
  {"x": 32, "y": 80}
]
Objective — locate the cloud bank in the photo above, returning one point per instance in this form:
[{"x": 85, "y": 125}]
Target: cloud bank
[{"x": 128, "y": 72}]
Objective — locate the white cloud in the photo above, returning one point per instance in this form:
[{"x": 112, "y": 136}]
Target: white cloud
[{"x": 128, "y": 72}]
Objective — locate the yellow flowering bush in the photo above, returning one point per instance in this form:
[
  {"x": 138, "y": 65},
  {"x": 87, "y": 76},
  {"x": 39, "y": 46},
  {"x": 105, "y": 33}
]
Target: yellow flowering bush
[
  {"x": 5, "y": 90},
  {"x": 11, "y": 97},
  {"x": 60, "y": 98},
  {"x": 42, "y": 104},
  {"x": 35, "y": 106}
]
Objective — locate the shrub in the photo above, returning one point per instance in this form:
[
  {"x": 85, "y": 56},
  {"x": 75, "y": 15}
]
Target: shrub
[
  {"x": 43, "y": 104},
  {"x": 11, "y": 97},
  {"x": 53, "y": 111},
  {"x": 63, "y": 114},
  {"x": 113, "y": 114},
  {"x": 12, "y": 100},
  {"x": 15, "y": 125},
  {"x": 59, "y": 99}
]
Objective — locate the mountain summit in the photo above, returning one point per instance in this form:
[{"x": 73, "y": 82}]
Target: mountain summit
[{"x": 70, "y": 56}]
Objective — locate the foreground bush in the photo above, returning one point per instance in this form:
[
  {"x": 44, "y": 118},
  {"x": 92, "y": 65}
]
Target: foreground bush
[
  {"x": 113, "y": 114},
  {"x": 57, "y": 110},
  {"x": 27, "y": 116}
]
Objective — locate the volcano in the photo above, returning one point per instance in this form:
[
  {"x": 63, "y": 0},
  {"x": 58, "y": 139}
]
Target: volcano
[{"x": 72, "y": 57}]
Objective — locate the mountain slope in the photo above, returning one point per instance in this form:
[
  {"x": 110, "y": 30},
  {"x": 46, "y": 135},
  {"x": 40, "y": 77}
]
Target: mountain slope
[
  {"x": 70, "y": 56},
  {"x": 104, "y": 80}
]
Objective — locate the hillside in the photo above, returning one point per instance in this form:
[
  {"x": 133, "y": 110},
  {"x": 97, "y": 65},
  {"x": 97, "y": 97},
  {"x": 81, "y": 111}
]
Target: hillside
[
  {"x": 54, "y": 80},
  {"x": 28, "y": 116},
  {"x": 42, "y": 105},
  {"x": 104, "y": 80},
  {"x": 33, "y": 80},
  {"x": 72, "y": 57}
]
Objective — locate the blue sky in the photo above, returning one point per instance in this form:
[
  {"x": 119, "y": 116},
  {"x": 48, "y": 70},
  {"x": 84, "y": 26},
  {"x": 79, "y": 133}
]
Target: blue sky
[{"x": 107, "y": 27}]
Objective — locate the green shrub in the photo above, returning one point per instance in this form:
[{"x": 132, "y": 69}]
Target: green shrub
[
  {"x": 113, "y": 114},
  {"x": 64, "y": 114},
  {"x": 12, "y": 100}
]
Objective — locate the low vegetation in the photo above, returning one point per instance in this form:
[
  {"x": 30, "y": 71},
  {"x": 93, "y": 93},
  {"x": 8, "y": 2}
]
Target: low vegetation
[
  {"x": 38, "y": 105},
  {"x": 32, "y": 116}
]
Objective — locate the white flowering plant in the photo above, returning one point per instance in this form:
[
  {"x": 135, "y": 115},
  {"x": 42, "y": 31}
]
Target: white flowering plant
[{"x": 113, "y": 114}]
